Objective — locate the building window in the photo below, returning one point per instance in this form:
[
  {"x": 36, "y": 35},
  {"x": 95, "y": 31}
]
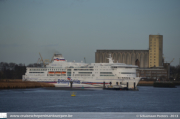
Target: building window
[{"x": 154, "y": 56}]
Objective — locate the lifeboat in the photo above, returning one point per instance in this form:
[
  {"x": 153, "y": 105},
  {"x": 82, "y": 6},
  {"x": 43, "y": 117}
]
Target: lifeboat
[
  {"x": 50, "y": 72},
  {"x": 63, "y": 72},
  {"x": 57, "y": 72}
]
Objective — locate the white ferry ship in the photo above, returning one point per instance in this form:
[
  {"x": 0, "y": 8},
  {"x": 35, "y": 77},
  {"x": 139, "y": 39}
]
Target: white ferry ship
[{"x": 61, "y": 73}]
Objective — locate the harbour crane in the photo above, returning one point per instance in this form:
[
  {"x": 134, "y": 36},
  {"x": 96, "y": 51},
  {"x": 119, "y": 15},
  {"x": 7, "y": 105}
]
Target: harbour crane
[
  {"x": 42, "y": 60},
  {"x": 171, "y": 61},
  {"x": 52, "y": 57},
  {"x": 38, "y": 60}
]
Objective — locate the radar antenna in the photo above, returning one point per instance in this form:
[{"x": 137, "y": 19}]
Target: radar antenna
[{"x": 84, "y": 59}]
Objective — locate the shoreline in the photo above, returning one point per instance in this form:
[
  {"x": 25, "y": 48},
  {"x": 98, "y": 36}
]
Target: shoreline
[
  {"x": 151, "y": 83},
  {"x": 19, "y": 84}
]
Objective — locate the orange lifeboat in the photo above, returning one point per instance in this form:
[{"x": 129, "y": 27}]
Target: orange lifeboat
[
  {"x": 58, "y": 72},
  {"x": 50, "y": 72},
  {"x": 63, "y": 72}
]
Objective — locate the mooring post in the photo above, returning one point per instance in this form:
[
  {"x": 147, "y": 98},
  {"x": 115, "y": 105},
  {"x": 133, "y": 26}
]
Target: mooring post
[
  {"x": 134, "y": 85},
  {"x": 104, "y": 84},
  {"x": 127, "y": 85},
  {"x": 71, "y": 84}
]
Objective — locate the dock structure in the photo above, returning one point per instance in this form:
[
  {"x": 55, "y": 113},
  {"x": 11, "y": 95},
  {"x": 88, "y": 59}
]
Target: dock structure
[
  {"x": 131, "y": 86},
  {"x": 119, "y": 87}
]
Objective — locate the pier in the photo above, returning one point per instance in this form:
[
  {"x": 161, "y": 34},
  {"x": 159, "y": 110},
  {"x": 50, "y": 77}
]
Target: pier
[{"x": 119, "y": 87}]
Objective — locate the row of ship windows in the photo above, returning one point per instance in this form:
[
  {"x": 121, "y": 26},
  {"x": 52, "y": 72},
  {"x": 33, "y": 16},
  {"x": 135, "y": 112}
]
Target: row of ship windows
[
  {"x": 83, "y": 70},
  {"x": 47, "y": 69},
  {"x": 106, "y": 75},
  {"x": 105, "y": 72},
  {"x": 89, "y": 69},
  {"x": 122, "y": 67},
  {"x": 70, "y": 70},
  {"x": 87, "y": 75},
  {"x": 36, "y": 72},
  {"x": 83, "y": 75},
  {"x": 60, "y": 69},
  {"x": 128, "y": 72},
  {"x": 81, "y": 67},
  {"x": 95, "y": 72}
]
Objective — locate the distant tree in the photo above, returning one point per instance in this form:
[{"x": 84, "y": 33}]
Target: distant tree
[
  {"x": 12, "y": 70},
  {"x": 175, "y": 72}
]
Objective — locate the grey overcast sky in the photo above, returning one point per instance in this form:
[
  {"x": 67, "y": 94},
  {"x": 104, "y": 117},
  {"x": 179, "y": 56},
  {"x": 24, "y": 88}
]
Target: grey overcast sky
[{"x": 77, "y": 28}]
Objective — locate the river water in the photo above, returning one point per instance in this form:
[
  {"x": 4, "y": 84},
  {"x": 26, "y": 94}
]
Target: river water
[{"x": 147, "y": 99}]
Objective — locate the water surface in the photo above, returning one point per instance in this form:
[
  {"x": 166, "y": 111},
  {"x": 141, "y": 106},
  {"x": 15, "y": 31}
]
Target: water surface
[{"x": 147, "y": 99}]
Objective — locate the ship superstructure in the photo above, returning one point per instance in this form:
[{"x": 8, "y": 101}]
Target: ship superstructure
[{"x": 60, "y": 72}]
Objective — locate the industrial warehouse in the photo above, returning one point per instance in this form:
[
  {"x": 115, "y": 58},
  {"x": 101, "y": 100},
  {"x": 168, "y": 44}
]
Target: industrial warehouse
[{"x": 150, "y": 62}]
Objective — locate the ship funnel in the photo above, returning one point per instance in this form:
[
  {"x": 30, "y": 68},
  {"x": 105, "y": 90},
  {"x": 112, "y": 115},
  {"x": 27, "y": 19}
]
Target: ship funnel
[{"x": 58, "y": 57}]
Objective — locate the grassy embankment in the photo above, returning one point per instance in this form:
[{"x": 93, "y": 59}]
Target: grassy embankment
[{"x": 18, "y": 83}]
